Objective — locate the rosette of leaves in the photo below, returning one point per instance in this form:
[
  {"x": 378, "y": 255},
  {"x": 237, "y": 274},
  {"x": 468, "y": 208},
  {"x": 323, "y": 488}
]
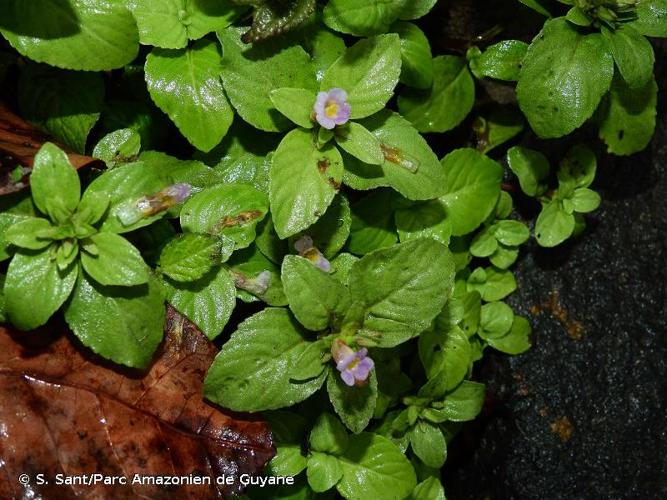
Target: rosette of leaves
[{"x": 66, "y": 257}]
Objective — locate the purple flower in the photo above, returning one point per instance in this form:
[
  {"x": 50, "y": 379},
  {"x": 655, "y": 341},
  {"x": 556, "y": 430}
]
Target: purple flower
[
  {"x": 304, "y": 246},
  {"x": 331, "y": 108},
  {"x": 354, "y": 367}
]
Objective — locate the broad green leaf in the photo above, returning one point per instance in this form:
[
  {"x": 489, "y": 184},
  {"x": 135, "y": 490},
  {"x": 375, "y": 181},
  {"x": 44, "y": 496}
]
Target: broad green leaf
[
  {"x": 511, "y": 232},
  {"x": 230, "y": 210},
  {"x": 116, "y": 261},
  {"x": 356, "y": 140},
  {"x": 374, "y": 467},
  {"x": 189, "y": 256},
  {"x": 401, "y": 289},
  {"x": 328, "y": 435},
  {"x": 585, "y": 200},
  {"x": 651, "y": 18},
  {"x": 331, "y": 231},
  {"x": 410, "y": 166},
  {"x": 368, "y": 71},
  {"x": 417, "y": 63},
  {"x": 554, "y": 225},
  {"x": 495, "y": 321},
  {"x": 35, "y": 288},
  {"x": 207, "y": 302},
  {"x": 516, "y": 341},
  {"x": 316, "y": 299},
  {"x": 370, "y": 17},
  {"x": 251, "y": 373},
  {"x": 429, "y": 489},
  {"x": 54, "y": 183},
  {"x": 563, "y": 78},
  {"x": 372, "y": 225},
  {"x": 445, "y": 352},
  {"x": 473, "y": 187},
  {"x": 414, "y": 9},
  {"x": 28, "y": 232},
  {"x": 118, "y": 147},
  {"x": 627, "y": 120},
  {"x": 354, "y": 405},
  {"x": 633, "y": 54},
  {"x": 429, "y": 444},
  {"x": 295, "y": 104},
  {"x": 447, "y": 103},
  {"x": 169, "y": 24},
  {"x": 288, "y": 430},
  {"x": 123, "y": 324},
  {"x": 268, "y": 68},
  {"x": 465, "y": 402},
  {"x": 324, "y": 47},
  {"x": 304, "y": 182},
  {"x": 312, "y": 361},
  {"x": 67, "y": 104},
  {"x": 501, "y": 61},
  {"x": 186, "y": 85},
  {"x": 8, "y": 220},
  {"x": 491, "y": 283},
  {"x": 324, "y": 471},
  {"x": 531, "y": 167},
  {"x": 78, "y": 34},
  {"x": 426, "y": 220}
]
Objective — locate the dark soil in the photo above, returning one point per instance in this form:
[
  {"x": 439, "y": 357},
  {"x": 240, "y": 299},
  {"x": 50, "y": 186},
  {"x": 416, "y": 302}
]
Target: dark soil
[{"x": 583, "y": 414}]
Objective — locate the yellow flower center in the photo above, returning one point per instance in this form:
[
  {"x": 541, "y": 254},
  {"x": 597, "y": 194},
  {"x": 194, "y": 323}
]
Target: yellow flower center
[{"x": 331, "y": 109}]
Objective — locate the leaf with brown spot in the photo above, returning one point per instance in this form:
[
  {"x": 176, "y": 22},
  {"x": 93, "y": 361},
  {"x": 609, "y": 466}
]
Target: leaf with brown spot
[
  {"x": 64, "y": 411},
  {"x": 19, "y": 143}
]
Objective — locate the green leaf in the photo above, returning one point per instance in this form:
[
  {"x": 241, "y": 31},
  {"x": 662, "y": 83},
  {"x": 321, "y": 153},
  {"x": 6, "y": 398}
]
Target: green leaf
[
  {"x": 414, "y": 9},
  {"x": 331, "y": 231},
  {"x": 651, "y": 18},
  {"x": 274, "y": 18},
  {"x": 531, "y": 167},
  {"x": 371, "y": 17},
  {"x": 473, "y": 187},
  {"x": 77, "y": 34},
  {"x": 368, "y": 71},
  {"x": 410, "y": 166},
  {"x": 465, "y": 402},
  {"x": 288, "y": 430},
  {"x": 268, "y": 69},
  {"x": 251, "y": 373},
  {"x": 491, "y": 283},
  {"x": 577, "y": 169},
  {"x": 445, "y": 352},
  {"x": 554, "y": 225},
  {"x": 495, "y": 320},
  {"x": 417, "y": 64},
  {"x": 67, "y": 104},
  {"x": 207, "y": 302},
  {"x": 501, "y": 124},
  {"x": 484, "y": 243},
  {"x": 401, "y": 289},
  {"x": 324, "y": 471},
  {"x": 516, "y": 341},
  {"x": 511, "y": 232},
  {"x": 230, "y": 210},
  {"x": 627, "y": 121},
  {"x": 563, "y": 78},
  {"x": 316, "y": 299},
  {"x": 429, "y": 489},
  {"x": 36, "y": 275},
  {"x": 429, "y": 444},
  {"x": 354, "y": 405},
  {"x": 585, "y": 200},
  {"x": 501, "y": 61},
  {"x": 447, "y": 103},
  {"x": 304, "y": 181},
  {"x": 633, "y": 54},
  {"x": 186, "y": 85},
  {"x": 117, "y": 262},
  {"x": 426, "y": 220},
  {"x": 169, "y": 24},
  {"x": 341, "y": 265},
  {"x": 537, "y": 6},
  {"x": 374, "y": 467},
  {"x": 54, "y": 183},
  {"x": 28, "y": 233},
  {"x": 189, "y": 256},
  {"x": 504, "y": 256},
  {"x": 295, "y": 104},
  {"x": 372, "y": 225},
  {"x": 328, "y": 435},
  {"x": 360, "y": 143},
  {"x": 121, "y": 146},
  {"x": 123, "y": 324},
  {"x": 311, "y": 362}
]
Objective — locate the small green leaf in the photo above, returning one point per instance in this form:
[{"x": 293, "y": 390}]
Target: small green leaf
[
  {"x": 465, "y": 402},
  {"x": 492, "y": 284},
  {"x": 484, "y": 243},
  {"x": 360, "y": 143},
  {"x": 554, "y": 225},
  {"x": 516, "y": 341},
  {"x": 330, "y": 233},
  {"x": 328, "y": 435},
  {"x": 429, "y": 489},
  {"x": 54, "y": 183},
  {"x": 504, "y": 256},
  {"x": 256, "y": 277},
  {"x": 316, "y": 299},
  {"x": 651, "y": 18},
  {"x": 495, "y": 320},
  {"x": 371, "y": 17},
  {"x": 324, "y": 471},
  {"x": 207, "y": 302},
  {"x": 447, "y": 352},
  {"x": 189, "y": 257},
  {"x": 28, "y": 233},
  {"x": 531, "y": 167},
  {"x": 499, "y": 126},
  {"x": 36, "y": 275},
  {"x": 585, "y": 200},
  {"x": 117, "y": 262},
  {"x": 633, "y": 54},
  {"x": 414, "y": 9},
  {"x": 121, "y": 146},
  {"x": 417, "y": 64},
  {"x": 288, "y": 430},
  {"x": 295, "y": 104},
  {"x": 447, "y": 103},
  {"x": 368, "y": 71},
  {"x": 304, "y": 182},
  {"x": 354, "y": 405},
  {"x": 511, "y": 232},
  {"x": 501, "y": 61},
  {"x": 429, "y": 444},
  {"x": 473, "y": 187},
  {"x": 123, "y": 324},
  {"x": 577, "y": 169},
  {"x": 252, "y": 371}
]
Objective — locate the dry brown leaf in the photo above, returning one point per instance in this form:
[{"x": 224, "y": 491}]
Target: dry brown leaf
[{"x": 64, "y": 411}]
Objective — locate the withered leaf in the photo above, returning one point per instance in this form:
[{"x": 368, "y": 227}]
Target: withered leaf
[
  {"x": 19, "y": 143},
  {"x": 64, "y": 411}
]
